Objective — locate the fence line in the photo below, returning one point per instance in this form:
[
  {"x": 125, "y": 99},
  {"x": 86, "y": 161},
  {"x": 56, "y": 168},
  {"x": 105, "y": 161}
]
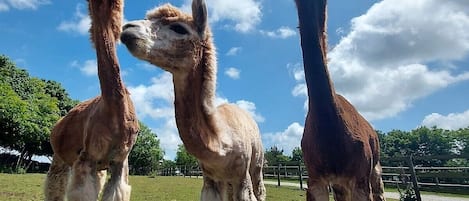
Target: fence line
[{"x": 440, "y": 178}]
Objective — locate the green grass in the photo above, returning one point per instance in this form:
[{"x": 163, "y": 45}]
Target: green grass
[{"x": 28, "y": 187}]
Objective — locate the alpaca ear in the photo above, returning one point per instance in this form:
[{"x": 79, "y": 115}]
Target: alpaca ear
[{"x": 199, "y": 14}]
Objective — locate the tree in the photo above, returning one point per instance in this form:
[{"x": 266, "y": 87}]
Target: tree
[
  {"x": 297, "y": 154},
  {"x": 146, "y": 154},
  {"x": 183, "y": 157},
  {"x": 28, "y": 112},
  {"x": 275, "y": 156}
]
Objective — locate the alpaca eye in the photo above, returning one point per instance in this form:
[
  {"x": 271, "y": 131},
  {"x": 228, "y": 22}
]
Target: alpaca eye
[{"x": 178, "y": 29}]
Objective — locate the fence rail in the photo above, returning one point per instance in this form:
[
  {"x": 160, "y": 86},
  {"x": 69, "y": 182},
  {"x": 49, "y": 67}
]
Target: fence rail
[{"x": 435, "y": 178}]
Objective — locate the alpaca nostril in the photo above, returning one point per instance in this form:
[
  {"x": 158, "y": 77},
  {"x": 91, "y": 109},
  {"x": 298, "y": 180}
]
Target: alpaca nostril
[{"x": 129, "y": 25}]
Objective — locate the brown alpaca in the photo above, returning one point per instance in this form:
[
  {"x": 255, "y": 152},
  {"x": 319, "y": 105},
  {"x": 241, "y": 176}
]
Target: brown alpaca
[
  {"x": 340, "y": 148},
  {"x": 225, "y": 139},
  {"x": 97, "y": 134}
]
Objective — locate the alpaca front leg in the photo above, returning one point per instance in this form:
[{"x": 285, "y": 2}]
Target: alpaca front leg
[
  {"x": 56, "y": 180},
  {"x": 210, "y": 191},
  {"x": 317, "y": 191},
  {"x": 117, "y": 188},
  {"x": 82, "y": 185},
  {"x": 243, "y": 190}
]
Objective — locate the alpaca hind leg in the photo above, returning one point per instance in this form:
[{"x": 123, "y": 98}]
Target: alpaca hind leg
[
  {"x": 362, "y": 190},
  {"x": 243, "y": 190},
  {"x": 82, "y": 186},
  {"x": 101, "y": 177},
  {"x": 377, "y": 185},
  {"x": 118, "y": 188},
  {"x": 258, "y": 183},
  {"x": 342, "y": 192},
  {"x": 210, "y": 191},
  {"x": 56, "y": 180},
  {"x": 317, "y": 191}
]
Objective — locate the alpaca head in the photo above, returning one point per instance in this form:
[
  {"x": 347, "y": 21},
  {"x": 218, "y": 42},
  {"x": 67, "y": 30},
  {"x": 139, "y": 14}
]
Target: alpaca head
[{"x": 168, "y": 37}]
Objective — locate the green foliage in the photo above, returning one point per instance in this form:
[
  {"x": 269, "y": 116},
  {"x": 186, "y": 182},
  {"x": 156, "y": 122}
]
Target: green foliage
[
  {"x": 297, "y": 154},
  {"x": 422, "y": 142},
  {"x": 275, "y": 156},
  {"x": 146, "y": 154},
  {"x": 184, "y": 158},
  {"x": 29, "y": 108}
]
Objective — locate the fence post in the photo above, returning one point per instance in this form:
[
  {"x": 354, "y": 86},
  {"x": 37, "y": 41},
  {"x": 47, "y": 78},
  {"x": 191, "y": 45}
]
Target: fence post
[
  {"x": 414, "y": 178},
  {"x": 278, "y": 174},
  {"x": 300, "y": 174}
]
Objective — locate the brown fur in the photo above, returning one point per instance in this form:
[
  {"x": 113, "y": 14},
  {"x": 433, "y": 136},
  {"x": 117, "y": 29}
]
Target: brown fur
[
  {"x": 225, "y": 139},
  {"x": 99, "y": 133},
  {"x": 340, "y": 148}
]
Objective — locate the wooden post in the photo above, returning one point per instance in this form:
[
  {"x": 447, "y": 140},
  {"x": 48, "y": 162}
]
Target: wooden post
[
  {"x": 278, "y": 174},
  {"x": 300, "y": 174},
  {"x": 414, "y": 178}
]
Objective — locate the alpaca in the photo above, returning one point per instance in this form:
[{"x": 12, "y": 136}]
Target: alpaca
[
  {"x": 340, "y": 148},
  {"x": 225, "y": 139},
  {"x": 97, "y": 134}
]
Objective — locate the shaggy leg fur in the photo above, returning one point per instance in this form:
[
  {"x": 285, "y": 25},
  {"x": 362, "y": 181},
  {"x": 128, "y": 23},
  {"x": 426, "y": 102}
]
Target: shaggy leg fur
[
  {"x": 258, "y": 183},
  {"x": 56, "y": 181},
  {"x": 342, "y": 192},
  {"x": 100, "y": 180},
  {"x": 210, "y": 191},
  {"x": 243, "y": 190},
  {"x": 118, "y": 189},
  {"x": 362, "y": 190},
  {"x": 317, "y": 191},
  {"x": 82, "y": 185},
  {"x": 377, "y": 185}
]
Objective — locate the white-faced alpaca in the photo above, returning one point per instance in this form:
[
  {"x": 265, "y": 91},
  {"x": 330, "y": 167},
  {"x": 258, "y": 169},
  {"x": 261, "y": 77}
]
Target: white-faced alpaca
[
  {"x": 340, "y": 148},
  {"x": 225, "y": 139},
  {"x": 97, "y": 134}
]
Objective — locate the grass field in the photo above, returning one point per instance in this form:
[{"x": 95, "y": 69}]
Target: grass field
[{"x": 28, "y": 187}]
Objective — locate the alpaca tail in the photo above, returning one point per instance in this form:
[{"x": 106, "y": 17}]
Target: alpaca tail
[{"x": 56, "y": 180}]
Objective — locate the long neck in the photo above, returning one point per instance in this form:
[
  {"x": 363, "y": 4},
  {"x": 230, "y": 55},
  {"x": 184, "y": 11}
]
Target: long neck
[
  {"x": 194, "y": 105},
  {"x": 105, "y": 28},
  {"x": 312, "y": 18}
]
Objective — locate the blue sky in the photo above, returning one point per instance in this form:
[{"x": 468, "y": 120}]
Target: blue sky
[{"x": 402, "y": 63}]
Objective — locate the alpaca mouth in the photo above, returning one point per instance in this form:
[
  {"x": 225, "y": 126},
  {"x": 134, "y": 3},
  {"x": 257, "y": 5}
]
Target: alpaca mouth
[{"x": 130, "y": 39}]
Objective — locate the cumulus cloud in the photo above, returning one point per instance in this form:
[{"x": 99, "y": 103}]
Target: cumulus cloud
[
  {"x": 80, "y": 24},
  {"x": 282, "y": 32},
  {"x": 393, "y": 53},
  {"x": 286, "y": 140},
  {"x": 452, "y": 121},
  {"x": 5, "y": 5},
  {"x": 244, "y": 14},
  {"x": 251, "y": 108},
  {"x": 233, "y": 73},
  {"x": 156, "y": 102},
  {"x": 88, "y": 68},
  {"x": 233, "y": 51}
]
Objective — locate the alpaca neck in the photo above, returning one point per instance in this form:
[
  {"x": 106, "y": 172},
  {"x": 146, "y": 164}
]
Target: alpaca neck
[
  {"x": 104, "y": 30},
  {"x": 313, "y": 42},
  {"x": 194, "y": 107}
]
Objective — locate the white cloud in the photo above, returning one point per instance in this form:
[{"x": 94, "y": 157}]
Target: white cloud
[
  {"x": 80, "y": 24},
  {"x": 245, "y": 14},
  {"x": 4, "y": 7},
  {"x": 88, "y": 68},
  {"x": 286, "y": 140},
  {"x": 251, "y": 108},
  {"x": 156, "y": 101},
  {"x": 452, "y": 121},
  {"x": 390, "y": 57},
  {"x": 233, "y": 73},
  {"x": 22, "y": 4},
  {"x": 233, "y": 51},
  {"x": 282, "y": 32}
]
